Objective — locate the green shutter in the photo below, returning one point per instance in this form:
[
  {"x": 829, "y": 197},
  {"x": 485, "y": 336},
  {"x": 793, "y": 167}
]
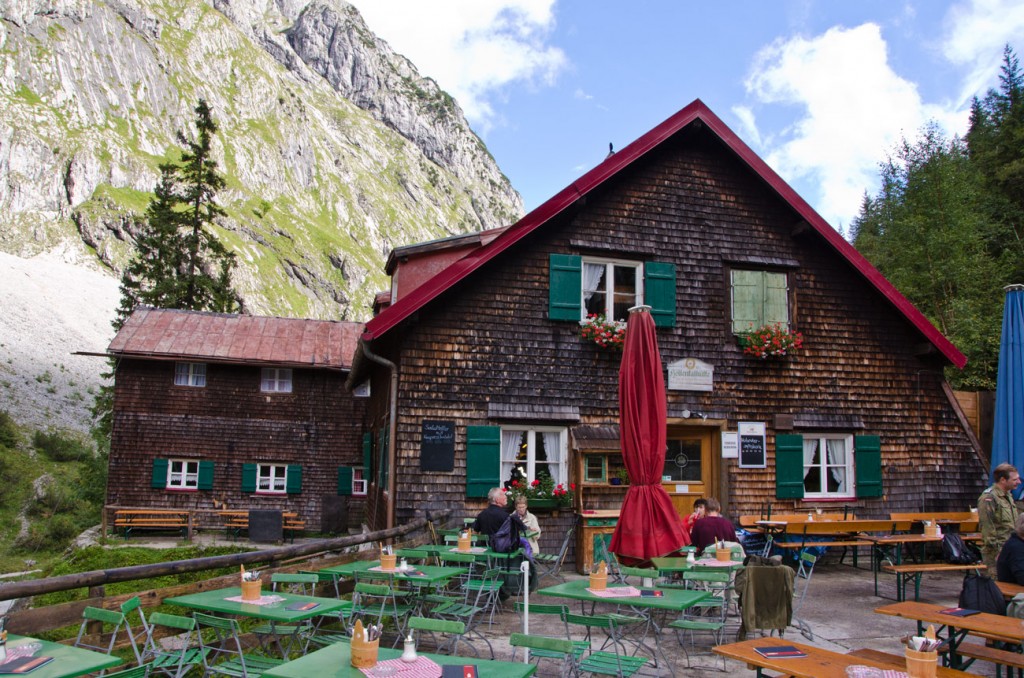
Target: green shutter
[
  {"x": 367, "y": 454},
  {"x": 747, "y": 299},
  {"x": 159, "y": 479},
  {"x": 789, "y": 466},
  {"x": 206, "y": 475},
  {"x": 293, "y": 479},
  {"x": 248, "y": 477},
  {"x": 483, "y": 459},
  {"x": 660, "y": 292},
  {"x": 868, "y": 458},
  {"x": 382, "y": 459},
  {"x": 344, "y": 480},
  {"x": 565, "y": 290},
  {"x": 776, "y": 299}
]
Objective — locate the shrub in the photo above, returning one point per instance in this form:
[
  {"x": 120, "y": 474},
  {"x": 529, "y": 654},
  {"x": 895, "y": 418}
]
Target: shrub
[
  {"x": 59, "y": 447},
  {"x": 9, "y": 435}
]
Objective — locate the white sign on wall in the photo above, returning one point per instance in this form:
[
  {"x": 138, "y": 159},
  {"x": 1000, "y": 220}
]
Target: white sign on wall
[
  {"x": 690, "y": 374},
  {"x": 730, "y": 445}
]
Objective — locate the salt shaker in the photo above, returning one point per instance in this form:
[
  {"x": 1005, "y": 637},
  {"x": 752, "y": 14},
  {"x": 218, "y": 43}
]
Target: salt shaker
[
  {"x": 409, "y": 652},
  {"x": 404, "y": 565},
  {"x": 690, "y": 560}
]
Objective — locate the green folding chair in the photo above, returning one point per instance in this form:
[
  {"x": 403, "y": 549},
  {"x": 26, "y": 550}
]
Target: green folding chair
[
  {"x": 444, "y": 634},
  {"x": 579, "y": 647},
  {"x": 102, "y": 620},
  {"x": 141, "y": 671},
  {"x": 166, "y": 661},
  {"x": 602, "y": 662},
  {"x": 222, "y": 649},
  {"x": 549, "y": 648}
]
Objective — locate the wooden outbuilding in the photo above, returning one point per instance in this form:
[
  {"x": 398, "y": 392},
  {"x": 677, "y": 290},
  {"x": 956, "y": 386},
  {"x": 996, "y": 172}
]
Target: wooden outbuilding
[{"x": 480, "y": 367}]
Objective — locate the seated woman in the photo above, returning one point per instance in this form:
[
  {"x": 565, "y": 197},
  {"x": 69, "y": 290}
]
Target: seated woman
[
  {"x": 1010, "y": 563},
  {"x": 531, "y": 523}
]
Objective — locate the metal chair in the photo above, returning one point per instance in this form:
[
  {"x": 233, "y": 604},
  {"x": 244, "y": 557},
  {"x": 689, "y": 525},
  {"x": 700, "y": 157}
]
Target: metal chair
[
  {"x": 222, "y": 653},
  {"x": 172, "y": 662},
  {"x": 603, "y": 662},
  {"x": 551, "y": 648},
  {"x": 378, "y": 602},
  {"x": 137, "y": 639},
  {"x": 558, "y": 612},
  {"x": 141, "y": 671},
  {"x": 804, "y": 570},
  {"x": 439, "y": 629},
  {"x": 287, "y": 636},
  {"x": 708, "y": 616},
  {"x": 101, "y": 618}
]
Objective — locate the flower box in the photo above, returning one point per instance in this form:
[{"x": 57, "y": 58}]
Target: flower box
[
  {"x": 770, "y": 342},
  {"x": 603, "y": 333}
]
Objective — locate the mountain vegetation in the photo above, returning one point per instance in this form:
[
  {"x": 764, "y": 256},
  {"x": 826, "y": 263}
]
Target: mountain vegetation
[{"x": 946, "y": 227}]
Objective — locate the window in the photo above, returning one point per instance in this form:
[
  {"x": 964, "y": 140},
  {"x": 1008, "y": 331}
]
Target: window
[
  {"x": 595, "y": 468},
  {"x": 537, "y": 451},
  {"x": 358, "y": 482},
  {"x": 183, "y": 474},
  {"x": 190, "y": 374},
  {"x": 611, "y": 288},
  {"x": 828, "y": 466},
  {"x": 271, "y": 478},
  {"x": 683, "y": 461},
  {"x": 276, "y": 380},
  {"x": 758, "y": 298}
]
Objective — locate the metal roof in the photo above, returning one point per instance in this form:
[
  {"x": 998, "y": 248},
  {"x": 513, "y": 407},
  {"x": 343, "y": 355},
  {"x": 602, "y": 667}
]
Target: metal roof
[
  {"x": 169, "y": 334},
  {"x": 405, "y": 307}
]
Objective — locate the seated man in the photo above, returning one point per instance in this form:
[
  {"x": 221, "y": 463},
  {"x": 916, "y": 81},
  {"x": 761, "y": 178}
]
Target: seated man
[
  {"x": 1010, "y": 563},
  {"x": 712, "y": 528},
  {"x": 493, "y": 517}
]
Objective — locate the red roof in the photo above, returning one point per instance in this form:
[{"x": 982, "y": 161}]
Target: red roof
[
  {"x": 167, "y": 334},
  {"x": 612, "y": 165}
]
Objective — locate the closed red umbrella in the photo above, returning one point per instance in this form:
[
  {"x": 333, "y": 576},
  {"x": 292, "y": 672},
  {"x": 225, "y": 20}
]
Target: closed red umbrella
[{"x": 648, "y": 523}]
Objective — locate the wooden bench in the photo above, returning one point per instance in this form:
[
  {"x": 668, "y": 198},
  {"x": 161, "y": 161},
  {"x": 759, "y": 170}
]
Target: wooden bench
[
  {"x": 845, "y": 534},
  {"x": 905, "y": 573},
  {"x": 131, "y": 520},
  {"x": 1011, "y": 660}
]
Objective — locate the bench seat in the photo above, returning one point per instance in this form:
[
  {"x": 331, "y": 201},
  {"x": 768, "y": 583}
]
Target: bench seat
[
  {"x": 904, "y": 573},
  {"x": 131, "y": 520}
]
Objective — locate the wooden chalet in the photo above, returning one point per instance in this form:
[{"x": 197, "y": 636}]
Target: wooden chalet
[
  {"x": 230, "y": 412},
  {"x": 479, "y": 366}
]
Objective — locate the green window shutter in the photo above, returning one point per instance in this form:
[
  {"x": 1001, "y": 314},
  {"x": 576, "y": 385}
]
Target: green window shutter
[
  {"x": 660, "y": 292},
  {"x": 789, "y": 466},
  {"x": 248, "y": 477},
  {"x": 483, "y": 459},
  {"x": 776, "y": 299},
  {"x": 293, "y": 479},
  {"x": 565, "y": 290},
  {"x": 344, "y": 480},
  {"x": 159, "y": 479},
  {"x": 367, "y": 454},
  {"x": 383, "y": 459},
  {"x": 206, "y": 475},
  {"x": 868, "y": 458},
  {"x": 747, "y": 300}
]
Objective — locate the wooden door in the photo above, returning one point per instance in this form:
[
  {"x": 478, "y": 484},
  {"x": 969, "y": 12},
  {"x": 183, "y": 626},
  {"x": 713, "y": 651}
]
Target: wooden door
[{"x": 689, "y": 468}]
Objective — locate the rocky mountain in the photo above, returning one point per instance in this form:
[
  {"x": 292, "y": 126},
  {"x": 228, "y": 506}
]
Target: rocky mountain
[{"x": 334, "y": 148}]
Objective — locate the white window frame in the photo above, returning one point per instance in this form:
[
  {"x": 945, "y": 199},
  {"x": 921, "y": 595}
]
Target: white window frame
[
  {"x": 182, "y": 474},
  {"x": 558, "y": 467},
  {"x": 271, "y": 478},
  {"x": 276, "y": 380},
  {"x": 358, "y": 482},
  {"x": 609, "y": 275},
  {"x": 760, "y": 321},
  {"x": 849, "y": 465},
  {"x": 190, "y": 374}
]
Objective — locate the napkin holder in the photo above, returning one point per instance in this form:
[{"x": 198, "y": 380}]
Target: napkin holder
[
  {"x": 251, "y": 589},
  {"x": 465, "y": 542},
  {"x": 931, "y": 530},
  {"x": 363, "y": 652},
  {"x": 921, "y": 664},
  {"x": 723, "y": 554},
  {"x": 387, "y": 561},
  {"x": 599, "y": 579}
]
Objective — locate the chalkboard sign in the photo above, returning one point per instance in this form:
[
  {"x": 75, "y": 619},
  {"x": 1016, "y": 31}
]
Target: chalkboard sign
[
  {"x": 437, "y": 446},
  {"x": 752, "y": 449}
]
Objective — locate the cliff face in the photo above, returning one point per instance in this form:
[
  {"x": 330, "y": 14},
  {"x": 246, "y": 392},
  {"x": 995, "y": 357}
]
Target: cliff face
[{"x": 334, "y": 148}]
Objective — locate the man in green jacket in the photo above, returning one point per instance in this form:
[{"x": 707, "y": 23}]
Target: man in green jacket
[{"x": 997, "y": 513}]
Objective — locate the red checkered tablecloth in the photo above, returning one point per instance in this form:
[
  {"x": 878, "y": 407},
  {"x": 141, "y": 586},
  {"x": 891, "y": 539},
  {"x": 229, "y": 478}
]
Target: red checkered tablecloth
[{"x": 421, "y": 668}]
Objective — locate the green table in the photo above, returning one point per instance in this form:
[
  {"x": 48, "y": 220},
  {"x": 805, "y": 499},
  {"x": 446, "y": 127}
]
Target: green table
[
  {"x": 333, "y": 661},
  {"x": 432, "y": 574},
  {"x": 67, "y": 661},
  {"x": 216, "y": 601}
]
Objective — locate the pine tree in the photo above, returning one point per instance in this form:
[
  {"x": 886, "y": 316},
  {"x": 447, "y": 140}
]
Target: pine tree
[{"x": 178, "y": 263}]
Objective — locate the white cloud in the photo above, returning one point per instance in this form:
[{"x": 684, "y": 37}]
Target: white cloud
[
  {"x": 855, "y": 108},
  {"x": 583, "y": 96},
  {"x": 748, "y": 125},
  {"x": 975, "y": 34},
  {"x": 472, "y": 48}
]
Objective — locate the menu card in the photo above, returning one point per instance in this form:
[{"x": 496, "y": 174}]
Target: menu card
[
  {"x": 23, "y": 665},
  {"x": 780, "y": 652}
]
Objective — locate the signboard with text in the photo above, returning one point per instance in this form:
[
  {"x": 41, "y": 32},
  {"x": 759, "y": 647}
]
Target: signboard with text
[
  {"x": 690, "y": 374},
  {"x": 752, "y": 446},
  {"x": 437, "y": 446}
]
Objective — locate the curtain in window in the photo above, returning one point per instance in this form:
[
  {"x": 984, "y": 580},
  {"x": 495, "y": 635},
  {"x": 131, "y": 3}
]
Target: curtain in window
[
  {"x": 591, "y": 276},
  {"x": 510, "y": 441},
  {"x": 836, "y": 454},
  {"x": 812, "y": 466},
  {"x": 553, "y": 447}
]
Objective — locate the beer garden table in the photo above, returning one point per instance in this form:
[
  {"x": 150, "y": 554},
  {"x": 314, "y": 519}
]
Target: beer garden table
[{"x": 67, "y": 661}]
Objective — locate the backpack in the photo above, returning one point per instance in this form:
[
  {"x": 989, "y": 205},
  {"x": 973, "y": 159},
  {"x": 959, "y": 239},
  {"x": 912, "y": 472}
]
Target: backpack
[
  {"x": 958, "y": 552},
  {"x": 981, "y": 593},
  {"x": 1016, "y": 607},
  {"x": 506, "y": 539}
]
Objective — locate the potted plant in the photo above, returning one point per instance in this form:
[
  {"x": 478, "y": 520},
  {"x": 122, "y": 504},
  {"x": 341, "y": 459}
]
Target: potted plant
[
  {"x": 770, "y": 342},
  {"x": 541, "y": 492},
  {"x": 621, "y": 477},
  {"x": 604, "y": 333}
]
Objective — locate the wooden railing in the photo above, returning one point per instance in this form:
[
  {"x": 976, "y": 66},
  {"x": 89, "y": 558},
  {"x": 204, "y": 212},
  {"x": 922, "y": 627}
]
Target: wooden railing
[{"x": 36, "y": 620}]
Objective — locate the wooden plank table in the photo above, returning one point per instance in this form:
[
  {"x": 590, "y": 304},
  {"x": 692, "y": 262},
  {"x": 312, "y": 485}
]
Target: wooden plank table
[
  {"x": 1008, "y": 589},
  {"x": 68, "y": 661},
  {"x": 890, "y": 547},
  {"x": 1008, "y": 629},
  {"x": 334, "y": 661},
  {"x": 818, "y": 663}
]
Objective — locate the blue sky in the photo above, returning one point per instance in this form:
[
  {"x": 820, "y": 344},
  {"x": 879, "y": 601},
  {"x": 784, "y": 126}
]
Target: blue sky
[{"x": 821, "y": 89}]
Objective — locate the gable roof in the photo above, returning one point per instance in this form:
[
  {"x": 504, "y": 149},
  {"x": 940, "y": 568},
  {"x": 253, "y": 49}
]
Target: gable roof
[
  {"x": 392, "y": 316},
  {"x": 170, "y": 334}
]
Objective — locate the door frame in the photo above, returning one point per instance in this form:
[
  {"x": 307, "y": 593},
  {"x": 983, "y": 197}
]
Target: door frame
[{"x": 717, "y": 472}]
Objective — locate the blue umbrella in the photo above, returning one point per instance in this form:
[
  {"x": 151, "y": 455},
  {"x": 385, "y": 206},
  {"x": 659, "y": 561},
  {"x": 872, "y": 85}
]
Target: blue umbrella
[{"x": 1008, "y": 429}]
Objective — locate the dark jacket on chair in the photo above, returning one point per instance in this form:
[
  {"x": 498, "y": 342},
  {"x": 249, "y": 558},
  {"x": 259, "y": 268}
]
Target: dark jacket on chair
[{"x": 766, "y": 598}]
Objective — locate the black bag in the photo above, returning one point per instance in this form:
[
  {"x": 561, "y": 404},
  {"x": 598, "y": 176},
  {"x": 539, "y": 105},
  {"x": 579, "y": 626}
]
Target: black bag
[
  {"x": 981, "y": 593},
  {"x": 506, "y": 539},
  {"x": 958, "y": 552}
]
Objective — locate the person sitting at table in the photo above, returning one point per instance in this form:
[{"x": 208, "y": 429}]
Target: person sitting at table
[
  {"x": 530, "y": 520},
  {"x": 493, "y": 517},
  {"x": 1010, "y": 564},
  {"x": 712, "y": 527},
  {"x": 699, "y": 510}
]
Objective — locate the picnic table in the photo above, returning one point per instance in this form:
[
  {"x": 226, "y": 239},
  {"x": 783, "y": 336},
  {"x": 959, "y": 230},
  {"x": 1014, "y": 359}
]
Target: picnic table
[
  {"x": 130, "y": 520},
  {"x": 67, "y": 661}
]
